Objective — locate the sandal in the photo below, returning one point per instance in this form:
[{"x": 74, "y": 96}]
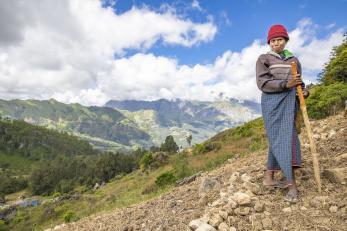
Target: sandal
[
  {"x": 292, "y": 197},
  {"x": 277, "y": 184}
]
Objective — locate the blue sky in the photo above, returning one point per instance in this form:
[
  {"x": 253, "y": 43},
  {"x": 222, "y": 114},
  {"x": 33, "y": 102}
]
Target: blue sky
[
  {"x": 241, "y": 21},
  {"x": 89, "y": 51}
]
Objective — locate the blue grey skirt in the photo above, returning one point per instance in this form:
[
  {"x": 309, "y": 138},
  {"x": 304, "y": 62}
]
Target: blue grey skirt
[{"x": 279, "y": 111}]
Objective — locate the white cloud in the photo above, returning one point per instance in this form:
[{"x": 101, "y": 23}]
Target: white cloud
[
  {"x": 196, "y": 5},
  {"x": 68, "y": 54},
  {"x": 47, "y": 52}
]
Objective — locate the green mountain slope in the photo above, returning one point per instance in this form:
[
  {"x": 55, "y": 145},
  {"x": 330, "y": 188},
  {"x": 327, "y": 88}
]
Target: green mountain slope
[{"x": 100, "y": 125}]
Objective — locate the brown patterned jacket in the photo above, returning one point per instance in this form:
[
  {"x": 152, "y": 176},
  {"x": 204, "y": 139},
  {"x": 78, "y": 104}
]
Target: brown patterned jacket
[{"x": 273, "y": 71}]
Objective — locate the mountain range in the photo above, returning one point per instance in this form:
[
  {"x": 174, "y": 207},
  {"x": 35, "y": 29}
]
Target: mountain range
[{"x": 122, "y": 125}]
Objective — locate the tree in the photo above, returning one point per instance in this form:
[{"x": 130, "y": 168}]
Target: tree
[
  {"x": 336, "y": 69},
  {"x": 189, "y": 139},
  {"x": 329, "y": 96},
  {"x": 146, "y": 160},
  {"x": 169, "y": 145}
]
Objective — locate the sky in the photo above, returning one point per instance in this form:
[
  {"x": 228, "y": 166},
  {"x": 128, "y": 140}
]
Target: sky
[{"x": 92, "y": 51}]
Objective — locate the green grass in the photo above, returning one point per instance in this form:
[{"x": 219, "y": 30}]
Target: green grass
[{"x": 116, "y": 194}]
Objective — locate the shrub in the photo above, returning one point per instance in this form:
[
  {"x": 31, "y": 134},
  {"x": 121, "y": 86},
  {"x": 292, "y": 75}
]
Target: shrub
[
  {"x": 10, "y": 184},
  {"x": 213, "y": 146},
  {"x": 69, "y": 216},
  {"x": 65, "y": 186},
  {"x": 326, "y": 100},
  {"x": 146, "y": 160},
  {"x": 164, "y": 179},
  {"x": 150, "y": 189},
  {"x": 181, "y": 166},
  {"x": 3, "y": 225}
]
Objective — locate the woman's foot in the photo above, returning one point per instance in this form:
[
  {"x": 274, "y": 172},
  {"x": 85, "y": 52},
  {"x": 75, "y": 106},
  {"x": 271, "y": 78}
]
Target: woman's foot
[
  {"x": 275, "y": 184},
  {"x": 269, "y": 181},
  {"x": 292, "y": 195}
]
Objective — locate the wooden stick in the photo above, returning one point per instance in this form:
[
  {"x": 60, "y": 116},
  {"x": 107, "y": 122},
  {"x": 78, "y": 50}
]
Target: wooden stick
[{"x": 309, "y": 131}]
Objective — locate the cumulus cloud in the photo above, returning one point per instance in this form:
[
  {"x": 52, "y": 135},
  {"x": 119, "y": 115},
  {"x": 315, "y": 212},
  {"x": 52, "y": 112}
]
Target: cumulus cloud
[
  {"x": 74, "y": 51},
  {"x": 55, "y": 48}
]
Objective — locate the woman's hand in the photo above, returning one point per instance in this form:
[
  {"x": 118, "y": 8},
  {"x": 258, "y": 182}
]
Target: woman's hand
[
  {"x": 305, "y": 93},
  {"x": 295, "y": 81}
]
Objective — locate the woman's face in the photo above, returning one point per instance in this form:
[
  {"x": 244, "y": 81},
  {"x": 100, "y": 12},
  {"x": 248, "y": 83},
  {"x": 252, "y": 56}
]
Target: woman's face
[{"x": 278, "y": 44}]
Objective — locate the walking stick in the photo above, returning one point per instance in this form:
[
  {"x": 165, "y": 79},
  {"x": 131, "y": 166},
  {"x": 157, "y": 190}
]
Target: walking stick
[{"x": 309, "y": 131}]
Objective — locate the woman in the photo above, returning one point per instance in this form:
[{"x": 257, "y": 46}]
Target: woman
[{"x": 279, "y": 107}]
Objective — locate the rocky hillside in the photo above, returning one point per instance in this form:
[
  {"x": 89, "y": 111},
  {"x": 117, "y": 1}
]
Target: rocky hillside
[{"x": 232, "y": 197}]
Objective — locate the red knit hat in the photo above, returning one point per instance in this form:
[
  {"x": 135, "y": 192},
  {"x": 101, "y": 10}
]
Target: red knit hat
[{"x": 277, "y": 31}]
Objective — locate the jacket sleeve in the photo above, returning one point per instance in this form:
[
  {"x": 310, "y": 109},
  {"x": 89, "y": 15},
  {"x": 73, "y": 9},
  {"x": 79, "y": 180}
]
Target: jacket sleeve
[{"x": 265, "y": 80}]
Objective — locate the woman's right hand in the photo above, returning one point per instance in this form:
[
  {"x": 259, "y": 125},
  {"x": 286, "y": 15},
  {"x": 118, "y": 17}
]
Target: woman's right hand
[{"x": 295, "y": 81}]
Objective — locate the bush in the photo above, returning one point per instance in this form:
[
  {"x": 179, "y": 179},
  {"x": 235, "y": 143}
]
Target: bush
[
  {"x": 56, "y": 194},
  {"x": 150, "y": 189},
  {"x": 9, "y": 184},
  {"x": 65, "y": 186},
  {"x": 164, "y": 179},
  {"x": 69, "y": 216},
  {"x": 207, "y": 147},
  {"x": 181, "y": 166},
  {"x": 3, "y": 226},
  {"x": 199, "y": 149},
  {"x": 326, "y": 100},
  {"x": 146, "y": 160},
  {"x": 213, "y": 146}
]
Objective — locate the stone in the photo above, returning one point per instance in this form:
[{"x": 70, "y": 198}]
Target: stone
[
  {"x": 245, "y": 178},
  {"x": 242, "y": 198},
  {"x": 254, "y": 188},
  {"x": 266, "y": 213},
  {"x": 319, "y": 201},
  {"x": 267, "y": 223},
  {"x": 259, "y": 207},
  {"x": 332, "y": 133},
  {"x": 336, "y": 175},
  {"x": 228, "y": 209},
  {"x": 231, "y": 220},
  {"x": 303, "y": 208},
  {"x": 232, "y": 203},
  {"x": 223, "y": 214},
  {"x": 223, "y": 194},
  {"x": 234, "y": 177},
  {"x": 287, "y": 210},
  {"x": 254, "y": 217},
  {"x": 208, "y": 184},
  {"x": 203, "y": 200},
  {"x": 243, "y": 211},
  {"x": 257, "y": 226},
  {"x": 194, "y": 224},
  {"x": 333, "y": 209},
  {"x": 217, "y": 203},
  {"x": 232, "y": 229},
  {"x": 342, "y": 157},
  {"x": 223, "y": 227},
  {"x": 205, "y": 227},
  {"x": 324, "y": 136},
  {"x": 316, "y": 136},
  {"x": 215, "y": 220},
  {"x": 96, "y": 186}
]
